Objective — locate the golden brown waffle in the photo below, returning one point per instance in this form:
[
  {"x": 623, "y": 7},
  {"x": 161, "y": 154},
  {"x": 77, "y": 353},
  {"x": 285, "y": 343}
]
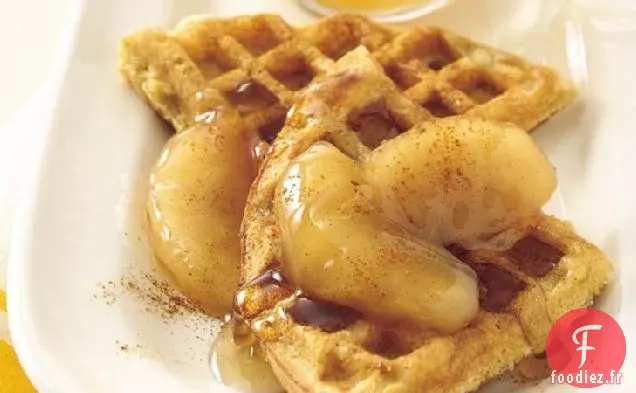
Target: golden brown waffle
[
  {"x": 524, "y": 289},
  {"x": 260, "y": 64}
]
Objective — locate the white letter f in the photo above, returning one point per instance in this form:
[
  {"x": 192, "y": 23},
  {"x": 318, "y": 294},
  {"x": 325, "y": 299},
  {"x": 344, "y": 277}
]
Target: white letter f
[{"x": 583, "y": 345}]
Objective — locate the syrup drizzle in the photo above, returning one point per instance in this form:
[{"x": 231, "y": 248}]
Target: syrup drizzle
[
  {"x": 326, "y": 316},
  {"x": 251, "y": 96},
  {"x": 269, "y": 131},
  {"x": 238, "y": 362},
  {"x": 262, "y": 293}
]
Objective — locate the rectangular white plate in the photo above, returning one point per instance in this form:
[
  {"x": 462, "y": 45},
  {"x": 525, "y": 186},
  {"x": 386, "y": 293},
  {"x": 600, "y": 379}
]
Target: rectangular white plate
[{"x": 101, "y": 141}]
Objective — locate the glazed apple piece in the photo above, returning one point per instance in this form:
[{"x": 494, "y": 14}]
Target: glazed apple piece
[
  {"x": 340, "y": 246},
  {"x": 195, "y": 207},
  {"x": 463, "y": 180}
]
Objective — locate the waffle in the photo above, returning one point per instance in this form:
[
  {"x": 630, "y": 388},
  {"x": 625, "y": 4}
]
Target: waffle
[
  {"x": 524, "y": 289},
  {"x": 260, "y": 64}
]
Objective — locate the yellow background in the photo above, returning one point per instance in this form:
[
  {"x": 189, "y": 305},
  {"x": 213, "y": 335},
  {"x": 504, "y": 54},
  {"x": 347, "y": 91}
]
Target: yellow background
[{"x": 12, "y": 378}]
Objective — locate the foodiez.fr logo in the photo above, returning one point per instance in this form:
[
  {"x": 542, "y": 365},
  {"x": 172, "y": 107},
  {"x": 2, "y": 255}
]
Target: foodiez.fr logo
[{"x": 586, "y": 348}]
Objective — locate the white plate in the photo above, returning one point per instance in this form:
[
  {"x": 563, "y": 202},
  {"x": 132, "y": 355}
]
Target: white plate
[{"x": 101, "y": 140}]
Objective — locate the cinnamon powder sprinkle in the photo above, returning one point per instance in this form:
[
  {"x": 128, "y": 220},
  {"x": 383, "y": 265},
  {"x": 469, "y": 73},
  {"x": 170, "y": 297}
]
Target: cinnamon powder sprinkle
[
  {"x": 107, "y": 292},
  {"x": 129, "y": 348},
  {"x": 159, "y": 296},
  {"x": 156, "y": 295}
]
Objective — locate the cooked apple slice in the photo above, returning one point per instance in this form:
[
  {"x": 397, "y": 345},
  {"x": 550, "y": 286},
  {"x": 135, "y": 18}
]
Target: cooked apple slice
[
  {"x": 195, "y": 207},
  {"x": 463, "y": 180},
  {"x": 340, "y": 246}
]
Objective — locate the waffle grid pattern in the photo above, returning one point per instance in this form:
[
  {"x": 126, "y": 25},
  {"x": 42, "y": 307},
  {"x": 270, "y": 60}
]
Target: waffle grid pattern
[
  {"x": 260, "y": 64},
  {"x": 371, "y": 356}
]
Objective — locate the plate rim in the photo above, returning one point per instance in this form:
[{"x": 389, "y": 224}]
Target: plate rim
[{"x": 18, "y": 294}]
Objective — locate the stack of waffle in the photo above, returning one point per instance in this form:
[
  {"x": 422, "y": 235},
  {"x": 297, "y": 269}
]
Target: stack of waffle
[{"x": 260, "y": 67}]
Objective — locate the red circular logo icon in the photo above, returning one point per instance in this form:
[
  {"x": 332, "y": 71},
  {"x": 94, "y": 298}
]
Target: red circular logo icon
[{"x": 586, "y": 349}]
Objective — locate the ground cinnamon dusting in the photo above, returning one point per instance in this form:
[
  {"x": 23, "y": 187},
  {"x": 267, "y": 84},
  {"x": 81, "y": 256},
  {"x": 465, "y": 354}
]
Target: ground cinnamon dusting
[
  {"x": 155, "y": 294},
  {"x": 128, "y": 348},
  {"x": 158, "y": 296},
  {"x": 107, "y": 292}
]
